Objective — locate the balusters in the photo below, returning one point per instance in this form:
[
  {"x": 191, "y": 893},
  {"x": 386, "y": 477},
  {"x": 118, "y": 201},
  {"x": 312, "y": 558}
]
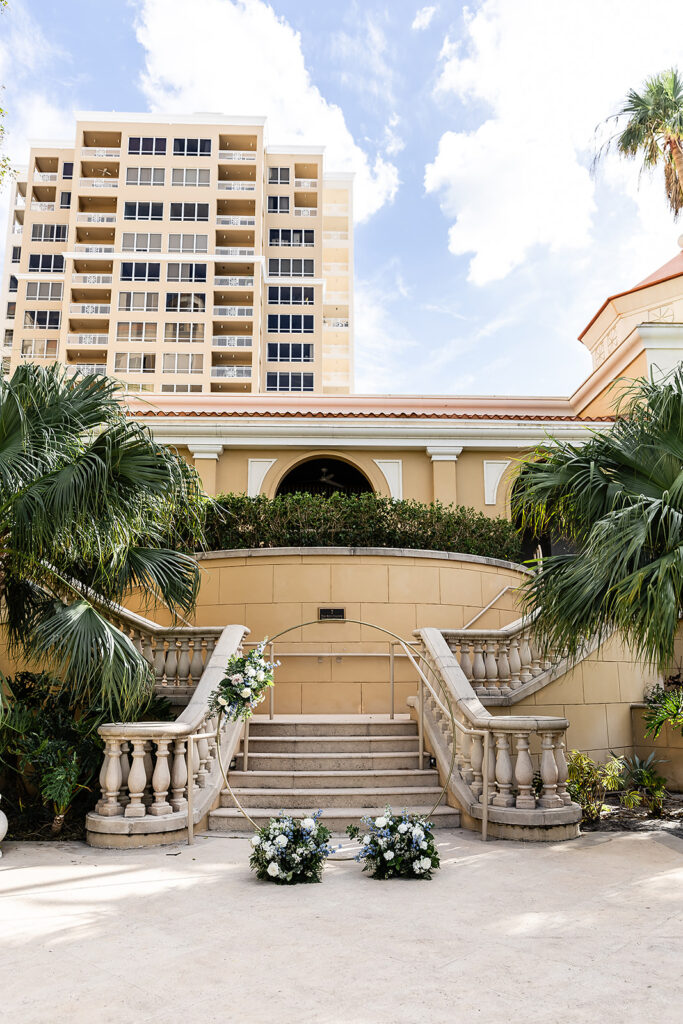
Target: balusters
[
  {"x": 465, "y": 660},
  {"x": 504, "y": 667},
  {"x": 124, "y": 799},
  {"x": 202, "y": 746},
  {"x": 159, "y": 660},
  {"x": 171, "y": 666},
  {"x": 524, "y": 773},
  {"x": 147, "y": 652},
  {"x": 525, "y": 658},
  {"x": 161, "y": 780},
  {"x": 549, "y": 774},
  {"x": 197, "y": 663},
  {"x": 562, "y": 770},
  {"x": 477, "y": 760},
  {"x": 137, "y": 780},
  {"x": 491, "y": 666},
  {"x": 195, "y": 767},
  {"x": 210, "y": 646},
  {"x": 515, "y": 664},
  {"x": 110, "y": 778},
  {"x": 149, "y": 770},
  {"x": 184, "y": 661},
  {"x": 491, "y": 768},
  {"x": 478, "y": 665},
  {"x": 178, "y": 776},
  {"x": 536, "y": 668},
  {"x": 503, "y": 797}
]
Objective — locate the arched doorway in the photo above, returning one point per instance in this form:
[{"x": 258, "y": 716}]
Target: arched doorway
[{"x": 324, "y": 476}]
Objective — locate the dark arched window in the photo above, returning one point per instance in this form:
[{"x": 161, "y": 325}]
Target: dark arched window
[{"x": 324, "y": 476}]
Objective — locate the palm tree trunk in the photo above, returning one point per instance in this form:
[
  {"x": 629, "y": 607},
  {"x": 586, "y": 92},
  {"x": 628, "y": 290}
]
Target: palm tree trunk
[
  {"x": 57, "y": 824},
  {"x": 677, "y": 157}
]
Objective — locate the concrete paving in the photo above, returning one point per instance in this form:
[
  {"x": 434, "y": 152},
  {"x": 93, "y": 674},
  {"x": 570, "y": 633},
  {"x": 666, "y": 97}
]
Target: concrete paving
[{"x": 589, "y": 930}]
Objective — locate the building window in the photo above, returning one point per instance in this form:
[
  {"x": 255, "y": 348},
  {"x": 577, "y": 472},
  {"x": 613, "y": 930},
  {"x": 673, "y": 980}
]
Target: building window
[
  {"x": 278, "y": 175},
  {"x": 146, "y": 146},
  {"x": 146, "y": 302},
  {"x": 39, "y": 347},
  {"x": 9, "y": 337},
  {"x": 136, "y": 331},
  {"x": 291, "y": 236},
  {"x": 175, "y": 332},
  {"x": 191, "y": 176},
  {"x": 286, "y": 295},
  {"x": 64, "y": 200},
  {"x": 145, "y": 176},
  {"x": 140, "y": 242},
  {"x": 189, "y": 211},
  {"x": 48, "y": 290},
  {"x": 48, "y": 233},
  {"x": 185, "y": 302},
  {"x": 67, "y": 169},
  {"x": 192, "y": 147},
  {"x": 188, "y": 243},
  {"x": 13, "y": 283},
  {"x": 291, "y": 268},
  {"x": 140, "y": 271},
  {"x": 11, "y": 310},
  {"x": 186, "y": 272},
  {"x": 289, "y": 382},
  {"x": 16, "y": 253},
  {"x": 45, "y": 264},
  {"x": 278, "y": 204},
  {"x": 143, "y": 211},
  {"x": 290, "y": 323},
  {"x": 134, "y": 362},
  {"x": 183, "y": 362},
  {"x": 42, "y": 319},
  {"x": 290, "y": 352},
  {"x": 181, "y": 389}
]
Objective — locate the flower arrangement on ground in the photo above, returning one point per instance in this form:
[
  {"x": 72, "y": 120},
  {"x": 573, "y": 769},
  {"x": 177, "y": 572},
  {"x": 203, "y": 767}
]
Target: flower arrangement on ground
[
  {"x": 396, "y": 846},
  {"x": 247, "y": 677},
  {"x": 289, "y": 850}
]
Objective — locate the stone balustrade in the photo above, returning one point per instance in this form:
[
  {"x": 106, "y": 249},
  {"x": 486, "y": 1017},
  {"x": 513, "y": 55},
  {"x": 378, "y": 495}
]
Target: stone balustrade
[
  {"x": 153, "y": 771},
  {"x": 514, "y": 764}
]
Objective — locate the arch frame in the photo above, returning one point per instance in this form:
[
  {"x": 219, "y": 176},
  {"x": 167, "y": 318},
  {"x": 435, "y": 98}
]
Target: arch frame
[{"x": 282, "y": 467}]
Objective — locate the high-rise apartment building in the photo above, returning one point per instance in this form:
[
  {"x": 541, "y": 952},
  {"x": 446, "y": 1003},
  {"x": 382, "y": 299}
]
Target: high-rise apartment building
[{"x": 182, "y": 255}]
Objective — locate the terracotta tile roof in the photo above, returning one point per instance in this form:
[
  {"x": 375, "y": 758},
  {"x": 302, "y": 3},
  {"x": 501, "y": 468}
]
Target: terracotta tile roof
[{"x": 674, "y": 268}]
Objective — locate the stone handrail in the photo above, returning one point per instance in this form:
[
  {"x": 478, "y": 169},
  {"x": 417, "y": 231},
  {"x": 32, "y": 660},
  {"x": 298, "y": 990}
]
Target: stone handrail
[
  {"x": 518, "y": 747},
  {"x": 145, "y": 777}
]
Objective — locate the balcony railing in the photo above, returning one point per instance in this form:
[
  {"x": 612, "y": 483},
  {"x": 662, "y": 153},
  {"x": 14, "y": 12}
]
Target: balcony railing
[
  {"x": 233, "y": 282},
  {"x": 305, "y": 211},
  {"x": 91, "y": 279},
  {"x": 98, "y": 182},
  {"x": 233, "y": 250},
  {"x": 43, "y": 207},
  {"x": 17, "y": 229},
  {"x": 100, "y": 153},
  {"x": 237, "y": 155},
  {"x": 335, "y": 236},
  {"x": 305, "y": 183},
  {"x": 233, "y": 310},
  {"x": 19, "y": 202},
  {"x": 44, "y": 176},
  {"x": 232, "y": 341},
  {"x": 89, "y": 308},
  {"x": 336, "y": 209},
  {"x": 231, "y": 371},
  {"x": 86, "y": 368},
  {"x": 238, "y": 186},
  {"x": 337, "y": 298},
  {"x": 87, "y": 339},
  {"x": 236, "y": 222},
  {"x": 335, "y": 323},
  {"x": 95, "y": 249},
  {"x": 96, "y": 218},
  {"x": 335, "y": 268}
]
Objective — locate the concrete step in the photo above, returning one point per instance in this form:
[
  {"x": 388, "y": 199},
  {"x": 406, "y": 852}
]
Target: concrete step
[
  {"x": 397, "y": 797},
  {"x": 229, "y": 819},
  {"x": 327, "y": 762},
  {"x": 329, "y": 744},
  {"x": 341, "y": 780},
  {"x": 339, "y": 725}
]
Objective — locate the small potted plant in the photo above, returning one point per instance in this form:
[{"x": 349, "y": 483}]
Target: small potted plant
[
  {"x": 290, "y": 850},
  {"x": 396, "y": 846},
  {"x": 247, "y": 678}
]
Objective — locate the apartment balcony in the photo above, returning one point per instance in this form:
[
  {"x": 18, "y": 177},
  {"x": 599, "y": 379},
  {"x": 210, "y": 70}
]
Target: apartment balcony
[
  {"x": 39, "y": 349},
  {"x": 305, "y": 211},
  {"x": 17, "y": 229},
  {"x": 236, "y": 222},
  {"x": 335, "y": 236},
  {"x": 233, "y": 282},
  {"x": 237, "y": 155},
  {"x": 44, "y": 176},
  {"x": 336, "y": 210},
  {"x": 233, "y": 311},
  {"x": 89, "y": 309},
  {"x": 237, "y": 186},
  {"x": 335, "y": 268},
  {"x": 95, "y": 250},
  {"x": 336, "y": 323},
  {"x": 86, "y": 368},
  {"x": 337, "y": 298},
  {"x": 43, "y": 207},
  {"x": 93, "y": 279},
  {"x": 231, "y": 371},
  {"x": 305, "y": 183},
  {"x": 234, "y": 250},
  {"x": 96, "y": 218},
  {"x": 19, "y": 202},
  {"x": 76, "y": 340},
  {"x": 222, "y": 341},
  {"x": 105, "y": 183},
  {"x": 100, "y": 153}
]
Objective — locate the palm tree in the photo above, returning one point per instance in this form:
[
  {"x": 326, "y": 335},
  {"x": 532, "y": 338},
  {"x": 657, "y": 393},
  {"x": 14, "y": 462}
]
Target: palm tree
[
  {"x": 654, "y": 130},
  {"x": 619, "y": 499},
  {"x": 88, "y": 506}
]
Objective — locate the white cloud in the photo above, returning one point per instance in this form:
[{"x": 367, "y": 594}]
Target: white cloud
[
  {"x": 536, "y": 78},
  {"x": 423, "y": 18},
  {"x": 393, "y": 143},
  {"x": 238, "y": 56},
  {"x": 363, "y": 55}
]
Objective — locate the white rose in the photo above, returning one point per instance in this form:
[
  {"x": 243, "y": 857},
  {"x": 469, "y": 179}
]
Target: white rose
[
  {"x": 237, "y": 678},
  {"x": 260, "y": 675},
  {"x": 308, "y": 823},
  {"x": 366, "y": 840},
  {"x": 223, "y": 701},
  {"x": 246, "y": 692},
  {"x": 423, "y": 845},
  {"x": 417, "y": 867},
  {"x": 281, "y": 841},
  {"x": 426, "y": 863},
  {"x": 418, "y": 834},
  {"x": 403, "y": 827},
  {"x": 255, "y": 841},
  {"x": 250, "y": 670},
  {"x": 273, "y": 870},
  {"x": 388, "y": 854},
  {"x": 380, "y": 822}
]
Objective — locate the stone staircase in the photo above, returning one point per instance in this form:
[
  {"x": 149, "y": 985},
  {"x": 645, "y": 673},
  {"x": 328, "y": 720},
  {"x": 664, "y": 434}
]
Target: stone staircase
[{"x": 349, "y": 766}]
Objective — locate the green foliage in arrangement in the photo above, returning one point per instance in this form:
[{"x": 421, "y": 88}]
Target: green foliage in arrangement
[
  {"x": 363, "y": 520},
  {"x": 588, "y": 783},
  {"x": 290, "y": 850},
  {"x": 396, "y": 845},
  {"x": 642, "y": 776},
  {"x": 664, "y": 706}
]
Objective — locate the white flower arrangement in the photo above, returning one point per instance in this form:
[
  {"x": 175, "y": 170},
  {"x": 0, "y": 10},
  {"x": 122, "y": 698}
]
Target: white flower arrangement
[
  {"x": 396, "y": 845},
  {"x": 288, "y": 850},
  {"x": 247, "y": 677}
]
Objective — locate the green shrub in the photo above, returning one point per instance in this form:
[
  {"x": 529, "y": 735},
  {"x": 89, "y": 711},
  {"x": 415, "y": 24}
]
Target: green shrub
[
  {"x": 363, "y": 520},
  {"x": 588, "y": 783},
  {"x": 643, "y": 777},
  {"x": 664, "y": 706}
]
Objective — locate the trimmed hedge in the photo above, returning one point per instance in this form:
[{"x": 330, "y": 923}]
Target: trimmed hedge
[{"x": 363, "y": 520}]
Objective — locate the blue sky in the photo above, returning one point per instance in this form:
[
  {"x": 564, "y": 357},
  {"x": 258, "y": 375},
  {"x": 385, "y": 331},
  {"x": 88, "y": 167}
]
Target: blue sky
[{"x": 483, "y": 244}]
